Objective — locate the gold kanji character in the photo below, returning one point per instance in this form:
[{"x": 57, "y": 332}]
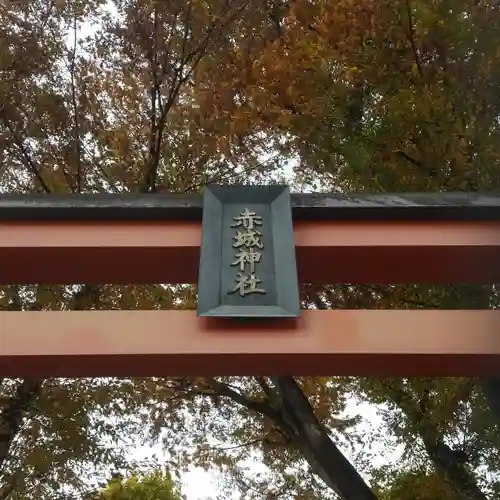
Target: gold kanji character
[
  {"x": 249, "y": 239},
  {"x": 247, "y": 219},
  {"x": 247, "y": 257},
  {"x": 246, "y": 284}
]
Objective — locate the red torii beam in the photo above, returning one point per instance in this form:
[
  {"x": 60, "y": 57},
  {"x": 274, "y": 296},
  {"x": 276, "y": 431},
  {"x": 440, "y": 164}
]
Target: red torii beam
[{"x": 445, "y": 238}]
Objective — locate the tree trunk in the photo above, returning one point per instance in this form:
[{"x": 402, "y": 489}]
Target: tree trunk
[{"x": 319, "y": 450}]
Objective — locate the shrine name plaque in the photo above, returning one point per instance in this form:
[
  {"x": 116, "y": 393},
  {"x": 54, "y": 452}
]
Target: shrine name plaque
[{"x": 247, "y": 262}]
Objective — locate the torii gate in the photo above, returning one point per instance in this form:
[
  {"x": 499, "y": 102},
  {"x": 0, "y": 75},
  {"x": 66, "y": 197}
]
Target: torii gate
[{"x": 95, "y": 239}]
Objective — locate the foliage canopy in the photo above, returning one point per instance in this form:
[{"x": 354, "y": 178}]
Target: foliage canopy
[{"x": 339, "y": 95}]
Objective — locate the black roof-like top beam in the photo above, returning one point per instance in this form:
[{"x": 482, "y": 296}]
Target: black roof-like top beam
[{"x": 314, "y": 206}]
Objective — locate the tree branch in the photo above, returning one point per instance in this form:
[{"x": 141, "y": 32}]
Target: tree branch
[
  {"x": 445, "y": 459},
  {"x": 11, "y": 416},
  {"x": 78, "y": 151},
  {"x": 10, "y": 487},
  {"x": 251, "y": 404},
  {"x": 406, "y": 156},
  {"x": 296, "y": 420},
  {"x": 411, "y": 36},
  {"x": 28, "y": 162},
  {"x": 340, "y": 474},
  {"x": 149, "y": 182},
  {"x": 270, "y": 393},
  {"x": 184, "y": 67},
  {"x": 88, "y": 295},
  {"x": 491, "y": 390},
  {"x": 235, "y": 447}
]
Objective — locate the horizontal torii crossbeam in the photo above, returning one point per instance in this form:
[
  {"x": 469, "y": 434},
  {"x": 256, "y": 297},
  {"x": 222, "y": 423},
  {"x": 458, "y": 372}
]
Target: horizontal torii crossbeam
[
  {"x": 160, "y": 343},
  {"x": 96, "y": 239}
]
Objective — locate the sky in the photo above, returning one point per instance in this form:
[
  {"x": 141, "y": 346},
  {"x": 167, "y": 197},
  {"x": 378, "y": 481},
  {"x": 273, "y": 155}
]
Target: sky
[{"x": 199, "y": 484}]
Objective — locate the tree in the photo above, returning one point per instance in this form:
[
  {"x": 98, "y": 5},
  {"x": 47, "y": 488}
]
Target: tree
[
  {"x": 416, "y": 485},
  {"x": 156, "y": 485}
]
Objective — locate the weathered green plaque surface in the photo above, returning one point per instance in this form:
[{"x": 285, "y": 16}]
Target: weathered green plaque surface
[{"x": 247, "y": 263}]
